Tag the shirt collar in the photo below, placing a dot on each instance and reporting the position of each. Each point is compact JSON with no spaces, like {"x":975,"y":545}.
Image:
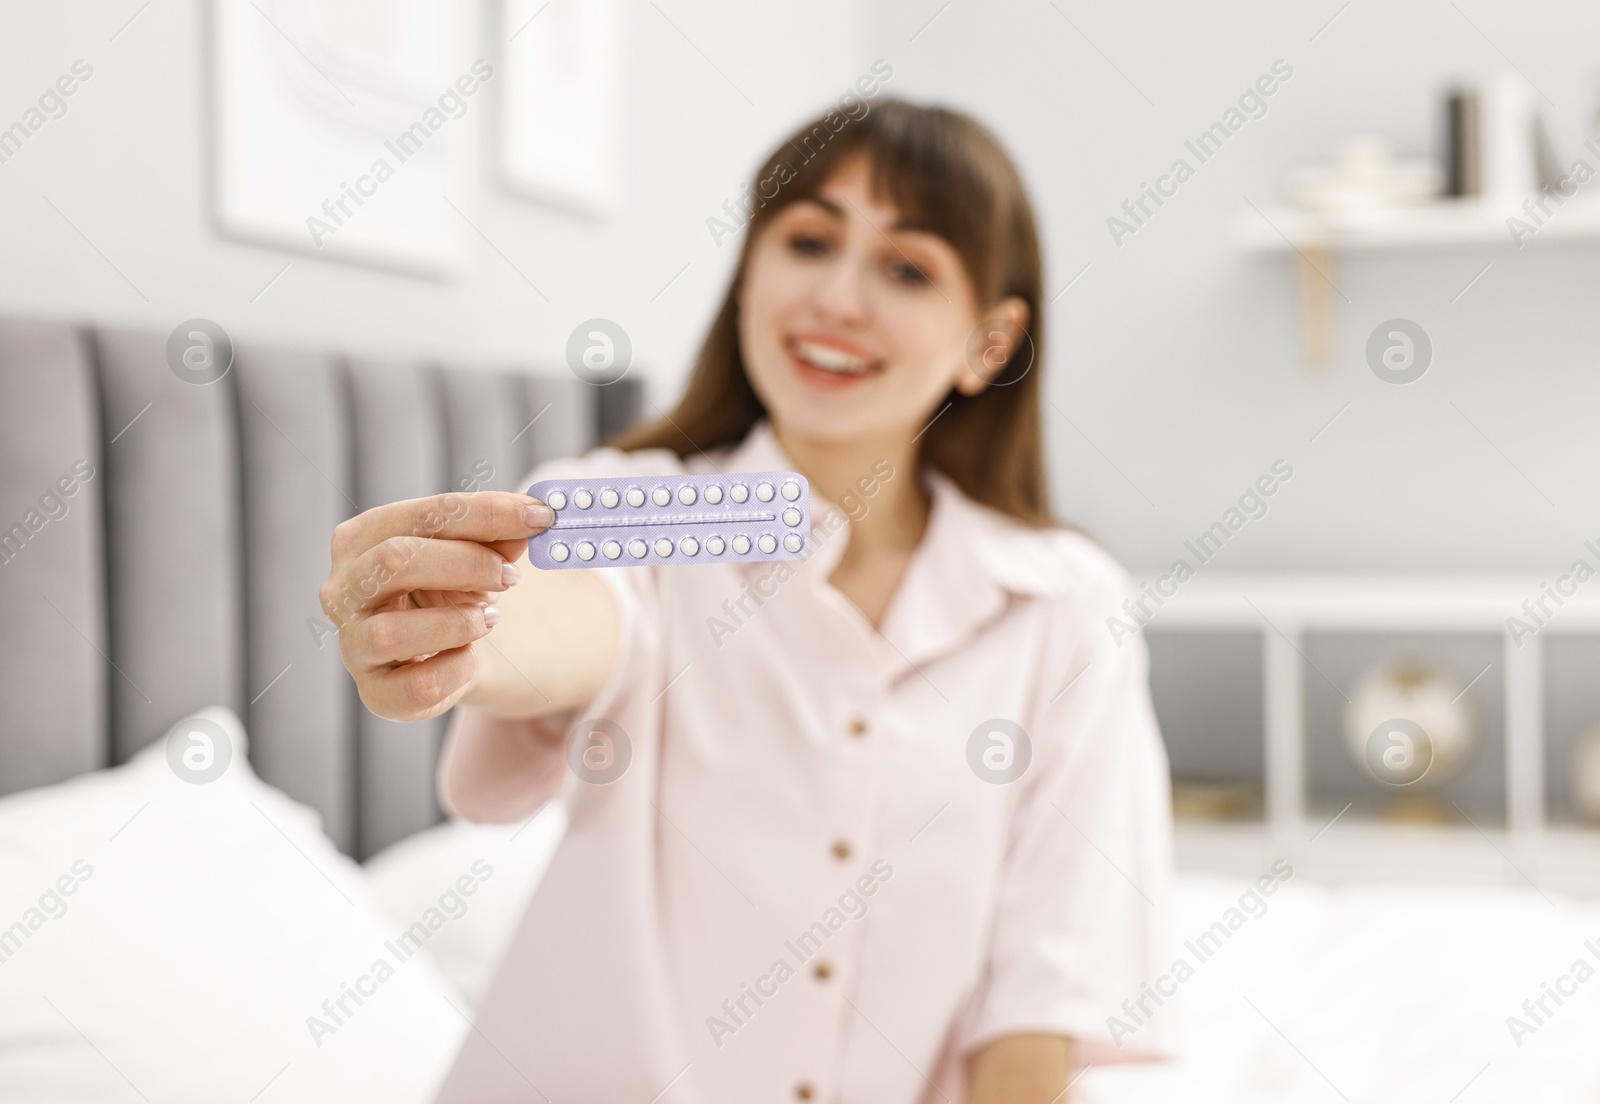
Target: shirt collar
{"x":970,"y":561}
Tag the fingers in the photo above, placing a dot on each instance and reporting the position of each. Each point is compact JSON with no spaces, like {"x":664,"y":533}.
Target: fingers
{"x":396,"y":567}
{"x":483,"y":516}
{"x":395,"y":636}
{"x":417,"y":691}
{"x":401,"y":564}
{"x":511,"y":550}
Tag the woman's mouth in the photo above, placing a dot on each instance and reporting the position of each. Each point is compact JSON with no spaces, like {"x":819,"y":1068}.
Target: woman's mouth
{"x":830,"y":364}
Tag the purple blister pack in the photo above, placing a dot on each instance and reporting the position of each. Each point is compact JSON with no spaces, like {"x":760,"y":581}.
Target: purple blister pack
{"x":643,"y":521}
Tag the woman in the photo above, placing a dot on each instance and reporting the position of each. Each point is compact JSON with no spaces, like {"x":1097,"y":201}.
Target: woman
{"x":889,"y":824}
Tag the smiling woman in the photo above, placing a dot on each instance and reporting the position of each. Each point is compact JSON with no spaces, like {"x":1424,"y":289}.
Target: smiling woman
{"x":946,"y":239}
{"x":881,"y":337}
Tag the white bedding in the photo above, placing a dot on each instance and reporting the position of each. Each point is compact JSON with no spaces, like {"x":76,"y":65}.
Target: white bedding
{"x":1375,"y":994}
{"x":212,"y":924}
{"x":207,"y":925}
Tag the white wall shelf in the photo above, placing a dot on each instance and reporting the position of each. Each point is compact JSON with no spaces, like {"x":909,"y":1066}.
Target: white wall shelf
{"x":1315,"y":241}
{"x":1284,"y":608}
{"x":1446,"y":223}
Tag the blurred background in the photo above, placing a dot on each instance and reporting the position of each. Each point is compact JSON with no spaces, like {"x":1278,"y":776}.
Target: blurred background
{"x":1177,"y":353}
{"x":1376,"y":270}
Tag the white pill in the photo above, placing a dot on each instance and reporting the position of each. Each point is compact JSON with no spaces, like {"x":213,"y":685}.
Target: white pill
{"x":661,"y":496}
{"x":791,"y":516}
{"x":637,"y":548}
{"x":556,"y":501}
{"x":664,"y":546}
{"x":582,"y":499}
{"x":713,"y":494}
{"x":689,"y":546}
{"x":715,"y":545}
{"x":611,"y":549}
{"x":741,"y":544}
{"x":608,"y":499}
{"x":764,"y":492}
{"x":766,"y":542}
{"x":559,"y":552}
{"x":635,"y":496}
{"x":585,"y":550}
{"x":791,"y":490}
{"x":791,"y":541}
{"x":739,"y":492}
{"x":686,"y":495}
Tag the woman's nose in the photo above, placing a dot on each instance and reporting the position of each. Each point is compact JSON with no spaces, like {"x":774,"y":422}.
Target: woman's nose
{"x":841,"y":292}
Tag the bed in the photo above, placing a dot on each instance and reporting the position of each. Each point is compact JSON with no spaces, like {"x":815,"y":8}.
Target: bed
{"x":182,"y":569}
{"x":304,"y":927}
{"x":201,"y":943}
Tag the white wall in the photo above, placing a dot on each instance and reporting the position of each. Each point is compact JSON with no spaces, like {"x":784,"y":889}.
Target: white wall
{"x":128,"y":163}
{"x":1179,"y":357}
{"x":1174,"y":354}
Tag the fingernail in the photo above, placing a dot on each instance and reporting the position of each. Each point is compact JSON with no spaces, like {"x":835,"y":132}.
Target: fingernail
{"x":509,"y":575}
{"x":491,"y":616}
{"x":538,"y":516}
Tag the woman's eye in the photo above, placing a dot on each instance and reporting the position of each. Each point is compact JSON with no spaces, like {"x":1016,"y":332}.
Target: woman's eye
{"x":807,"y":245}
{"x":907,"y":273}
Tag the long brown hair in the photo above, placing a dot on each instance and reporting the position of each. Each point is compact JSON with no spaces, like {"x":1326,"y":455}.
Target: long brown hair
{"x":950,"y":174}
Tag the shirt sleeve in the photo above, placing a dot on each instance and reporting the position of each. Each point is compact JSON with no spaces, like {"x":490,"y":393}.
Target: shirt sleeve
{"x":1081,"y":924}
{"x":499,"y":770}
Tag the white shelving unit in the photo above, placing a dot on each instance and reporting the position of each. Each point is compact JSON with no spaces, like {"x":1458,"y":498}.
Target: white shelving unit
{"x":1283,"y":608}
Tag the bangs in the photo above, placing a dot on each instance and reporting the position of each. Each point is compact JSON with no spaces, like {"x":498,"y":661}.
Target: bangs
{"x":946,"y":174}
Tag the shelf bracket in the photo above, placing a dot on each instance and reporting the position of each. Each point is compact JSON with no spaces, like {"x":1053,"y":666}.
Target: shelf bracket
{"x":1313,"y":264}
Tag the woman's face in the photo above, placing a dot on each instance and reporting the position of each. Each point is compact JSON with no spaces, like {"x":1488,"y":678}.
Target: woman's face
{"x":853,"y":323}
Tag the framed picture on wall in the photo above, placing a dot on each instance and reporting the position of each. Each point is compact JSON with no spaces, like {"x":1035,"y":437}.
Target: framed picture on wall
{"x":345,"y":128}
{"x":559,"y":132}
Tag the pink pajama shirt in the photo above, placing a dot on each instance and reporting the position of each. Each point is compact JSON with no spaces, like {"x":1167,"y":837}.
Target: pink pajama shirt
{"x":812,"y":860}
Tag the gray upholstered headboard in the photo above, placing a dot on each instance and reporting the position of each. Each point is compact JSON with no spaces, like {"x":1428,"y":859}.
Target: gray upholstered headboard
{"x":161,"y":545}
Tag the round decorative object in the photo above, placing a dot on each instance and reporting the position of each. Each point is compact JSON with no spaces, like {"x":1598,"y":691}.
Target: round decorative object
{"x":1408,"y":724}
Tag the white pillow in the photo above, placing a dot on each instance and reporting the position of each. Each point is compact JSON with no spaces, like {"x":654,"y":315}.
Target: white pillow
{"x":192,"y":941}
{"x":500,"y":864}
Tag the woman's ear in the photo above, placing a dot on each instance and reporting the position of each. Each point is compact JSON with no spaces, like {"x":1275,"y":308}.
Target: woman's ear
{"x":989,"y":348}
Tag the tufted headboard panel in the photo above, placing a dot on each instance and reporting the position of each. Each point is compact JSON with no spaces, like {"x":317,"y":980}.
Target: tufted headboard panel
{"x":161,"y":545}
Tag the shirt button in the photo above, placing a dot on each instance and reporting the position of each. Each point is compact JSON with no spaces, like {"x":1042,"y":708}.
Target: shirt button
{"x":858,"y":726}
{"x":841,"y":850}
{"x":823,"y":971}
{"x":804,"y":1090}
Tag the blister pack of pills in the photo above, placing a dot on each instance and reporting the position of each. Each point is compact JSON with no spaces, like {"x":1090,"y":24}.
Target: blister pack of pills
{"x":637,"y":521}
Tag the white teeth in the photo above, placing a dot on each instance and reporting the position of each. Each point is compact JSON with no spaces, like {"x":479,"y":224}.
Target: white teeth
{"x":830,"y":359}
